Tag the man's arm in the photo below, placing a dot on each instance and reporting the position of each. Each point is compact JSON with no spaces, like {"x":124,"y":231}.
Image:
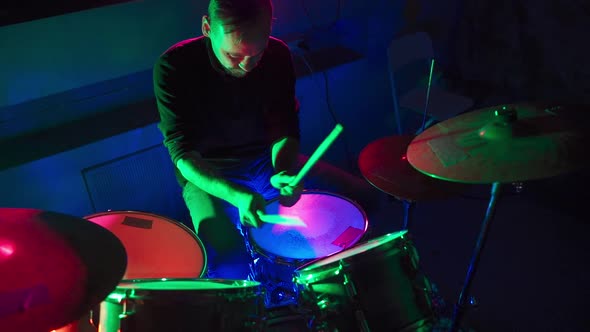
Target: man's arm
{"x":285,"y":149}
{"x":284,"y":161}
{"x":284,"y":155}
{"x":203,"y":175}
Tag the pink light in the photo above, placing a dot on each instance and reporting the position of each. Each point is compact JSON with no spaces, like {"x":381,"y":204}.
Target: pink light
{"x":6,"y":248}
{"x":404,"y":157}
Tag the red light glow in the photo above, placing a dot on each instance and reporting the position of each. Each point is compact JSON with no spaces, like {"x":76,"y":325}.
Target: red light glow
{"x":6,"y":249}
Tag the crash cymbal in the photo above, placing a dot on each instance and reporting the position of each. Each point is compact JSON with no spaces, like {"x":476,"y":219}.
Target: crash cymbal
{"x":53,"y":268}
{"x":504,"y":144}
{"x":384,"y":164}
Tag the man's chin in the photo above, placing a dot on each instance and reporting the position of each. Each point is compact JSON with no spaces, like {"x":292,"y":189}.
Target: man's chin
{"x":237,"y":73}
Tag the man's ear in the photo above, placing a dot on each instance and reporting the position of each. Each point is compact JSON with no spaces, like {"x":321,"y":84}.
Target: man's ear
{"x":205,"y":26}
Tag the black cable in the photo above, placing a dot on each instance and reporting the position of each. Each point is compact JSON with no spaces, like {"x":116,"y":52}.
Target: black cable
{"x":327,"y":99}
{"x":305,"y":48}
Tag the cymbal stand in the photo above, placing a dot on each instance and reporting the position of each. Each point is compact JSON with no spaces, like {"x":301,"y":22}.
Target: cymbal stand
{"x":408,"y":208}
{"x":481,"y":240}
{"x":409,"y":205}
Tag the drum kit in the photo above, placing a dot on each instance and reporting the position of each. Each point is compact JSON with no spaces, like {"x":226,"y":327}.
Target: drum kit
{"x":139,"y":272}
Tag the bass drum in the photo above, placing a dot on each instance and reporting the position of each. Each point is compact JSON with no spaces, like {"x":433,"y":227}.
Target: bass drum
{"x":181,"y":305}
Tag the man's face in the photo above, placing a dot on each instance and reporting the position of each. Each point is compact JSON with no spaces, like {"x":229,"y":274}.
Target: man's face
{"x":240,"y":50}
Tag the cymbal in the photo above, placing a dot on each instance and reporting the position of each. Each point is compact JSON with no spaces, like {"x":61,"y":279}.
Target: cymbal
{"x":53,"y":268}
{"x":383,"y":163}
{"x":510,"y":143}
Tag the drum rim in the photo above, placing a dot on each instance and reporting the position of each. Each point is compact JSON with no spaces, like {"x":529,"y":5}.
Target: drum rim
{"x":302,"y":274}
{"x":121,"y":292}
{"x":170,"y":220}
{"x":288,"y":260}
{"x":146,"y":280}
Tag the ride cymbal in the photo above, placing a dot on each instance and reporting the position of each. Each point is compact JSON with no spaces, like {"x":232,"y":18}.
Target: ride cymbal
{"x":503,"y":144}
{"x":384,"y":164}
{"x":53,"y":268}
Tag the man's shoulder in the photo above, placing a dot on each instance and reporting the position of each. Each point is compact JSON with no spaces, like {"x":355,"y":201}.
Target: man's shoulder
{"x":188,"y":49}
{"x":277,"y":45}
{"x":277,"y":52}
{"x":187,"y":45}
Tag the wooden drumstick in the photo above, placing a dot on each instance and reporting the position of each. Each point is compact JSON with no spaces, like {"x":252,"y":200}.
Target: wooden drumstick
{"x":317,"y":154}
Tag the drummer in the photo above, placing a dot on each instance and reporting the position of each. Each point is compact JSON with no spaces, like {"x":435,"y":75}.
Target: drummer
{"x":229,"y":117}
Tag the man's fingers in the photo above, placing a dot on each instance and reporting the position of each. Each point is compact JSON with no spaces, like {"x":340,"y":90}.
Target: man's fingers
{"x":252,"y":219}
{"x":281,"y":180}
{"x":287,"y":191}
{"x":288,"y":201}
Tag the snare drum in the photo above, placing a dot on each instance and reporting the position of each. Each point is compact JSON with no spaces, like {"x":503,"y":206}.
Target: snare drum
{"x":332,"y":223}
{"x":180,"y":305}
{"x":374,"y":286}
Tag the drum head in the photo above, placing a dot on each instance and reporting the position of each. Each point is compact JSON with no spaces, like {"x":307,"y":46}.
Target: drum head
{"x":157,"y":247}
{"x":356,"y":250}
{"x":332,"y":224}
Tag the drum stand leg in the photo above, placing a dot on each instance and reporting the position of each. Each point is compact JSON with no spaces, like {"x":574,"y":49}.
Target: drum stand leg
{"x":408,"y":208}
{"x":460,"y":306}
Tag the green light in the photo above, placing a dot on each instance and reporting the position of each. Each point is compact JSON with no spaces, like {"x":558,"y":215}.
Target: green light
{"x":116,"y":297}
{"x":496,"y":113}
{"x":323,"y":304}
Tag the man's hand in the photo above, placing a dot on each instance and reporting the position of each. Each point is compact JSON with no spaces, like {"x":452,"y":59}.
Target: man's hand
{"x":250,"y":205}
{"x":289,"y":194}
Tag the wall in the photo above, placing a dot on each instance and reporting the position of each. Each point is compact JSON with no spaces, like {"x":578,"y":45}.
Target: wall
{"x":60,"y":53}
{"x":530,"y":50}
{"x":56,"y":183}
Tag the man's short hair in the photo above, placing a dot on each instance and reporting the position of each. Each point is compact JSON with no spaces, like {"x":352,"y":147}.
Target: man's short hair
{"x":234,"y":14}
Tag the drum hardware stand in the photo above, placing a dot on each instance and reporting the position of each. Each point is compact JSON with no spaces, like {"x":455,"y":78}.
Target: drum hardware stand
{"x":352,"y":293}
{"x":408,"y":208}
{"x":318,"y":321}
{"x":518,"y":187}
{"x":408,"y":204}
{"x":481,"y":240}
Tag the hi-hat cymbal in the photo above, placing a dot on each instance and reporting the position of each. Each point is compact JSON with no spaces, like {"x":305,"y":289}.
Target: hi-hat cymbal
{"x":53,"y":268}
{"x":384,"y":164}
{"x":509,"y":143}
